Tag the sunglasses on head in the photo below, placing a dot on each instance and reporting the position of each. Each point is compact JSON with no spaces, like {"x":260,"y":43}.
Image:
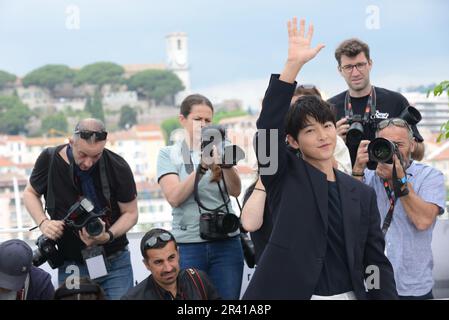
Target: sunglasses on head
{"x":397,"y":122}
{"x":87,"y":135}
{"x":151,"y":242}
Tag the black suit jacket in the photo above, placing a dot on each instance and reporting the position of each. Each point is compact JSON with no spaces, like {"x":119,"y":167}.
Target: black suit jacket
{"x":291,"y":264}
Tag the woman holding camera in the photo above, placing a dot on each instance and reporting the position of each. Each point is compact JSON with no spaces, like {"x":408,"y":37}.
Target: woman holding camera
{"x":178,"y":165}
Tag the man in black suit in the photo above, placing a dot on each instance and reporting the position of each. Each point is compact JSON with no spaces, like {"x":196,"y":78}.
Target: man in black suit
{"x":326,"y":241}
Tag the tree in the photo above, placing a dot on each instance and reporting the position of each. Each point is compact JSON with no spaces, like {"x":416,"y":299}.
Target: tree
{"x":56,"y":122}
{"x":128,"y":117}
{"x":227,"y":114}
{"x":95,"y":107}
{"x":156,"y":84}
{"x":100,"y":73}
{"x":6,"y":79}
{"x":168,"y":125}
{"x":49,"y":76}
{"x":438,"y":90}
{"x":13,"y":115}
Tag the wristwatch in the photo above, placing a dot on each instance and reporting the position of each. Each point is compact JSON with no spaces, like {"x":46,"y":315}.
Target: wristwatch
{"x":111,"y":236}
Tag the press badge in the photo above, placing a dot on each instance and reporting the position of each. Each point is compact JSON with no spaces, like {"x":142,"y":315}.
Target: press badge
{"x":94,"y":258}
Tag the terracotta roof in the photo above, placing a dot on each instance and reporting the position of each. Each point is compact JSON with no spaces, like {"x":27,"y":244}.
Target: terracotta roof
{"x":5,"y":162}
{"x":146,"y":127}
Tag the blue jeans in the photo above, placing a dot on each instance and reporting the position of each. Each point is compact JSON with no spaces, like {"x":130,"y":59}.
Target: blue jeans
{"x":222,"y":260}
{"x":118,"y":280}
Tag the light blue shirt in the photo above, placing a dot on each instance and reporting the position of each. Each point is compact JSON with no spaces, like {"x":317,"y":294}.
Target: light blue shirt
{"x":409,"y":249}
{"x":185,"y":225}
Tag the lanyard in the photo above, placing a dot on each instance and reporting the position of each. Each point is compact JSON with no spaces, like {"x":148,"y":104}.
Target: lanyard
{"x":370,"y":108}
{"x":389,"y":215}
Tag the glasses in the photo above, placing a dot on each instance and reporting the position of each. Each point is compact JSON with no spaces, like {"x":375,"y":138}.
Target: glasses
{"x":151,"y":242}
{"x":87,"y":135}
{"x":395,"y":121}
{"x":361,"y":66}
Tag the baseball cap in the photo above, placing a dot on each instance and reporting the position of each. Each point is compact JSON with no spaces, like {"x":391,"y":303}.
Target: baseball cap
{"x":15,"y":264}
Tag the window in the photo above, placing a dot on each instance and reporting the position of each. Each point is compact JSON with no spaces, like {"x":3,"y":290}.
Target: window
{"x":179,"y":44}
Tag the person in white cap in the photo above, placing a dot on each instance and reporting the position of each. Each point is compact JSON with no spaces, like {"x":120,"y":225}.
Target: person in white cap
{"x":19,"y":279}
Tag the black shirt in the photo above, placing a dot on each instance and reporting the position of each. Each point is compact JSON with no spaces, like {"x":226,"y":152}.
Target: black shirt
{"x":192,"y":284}
{"x":68,"y":191}
{"x":335,"y":276}
{"x":389,"y":104}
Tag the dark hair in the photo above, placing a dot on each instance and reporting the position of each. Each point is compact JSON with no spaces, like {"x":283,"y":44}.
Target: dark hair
{"x":307,"y":106}
{"x":304,"y":90}
{"x":191,"y":100}
{"x":88,"y":290}
{"x":156,"y":232}
{"x":351,"y":48}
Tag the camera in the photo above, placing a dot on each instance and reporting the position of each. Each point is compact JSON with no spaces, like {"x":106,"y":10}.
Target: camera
{"x":355,"y":132}
{"x":81,"y":214}
{"x":382,"y":150}
{"x":217,"y":225}
{"x":47,"y":250}
{"x":216,"y":136}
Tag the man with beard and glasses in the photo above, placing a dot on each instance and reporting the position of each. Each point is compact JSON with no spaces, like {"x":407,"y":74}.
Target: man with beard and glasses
{"x":167,"y":282}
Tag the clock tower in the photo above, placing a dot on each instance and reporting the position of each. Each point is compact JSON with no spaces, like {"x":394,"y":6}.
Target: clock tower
{"x":177,"y":60}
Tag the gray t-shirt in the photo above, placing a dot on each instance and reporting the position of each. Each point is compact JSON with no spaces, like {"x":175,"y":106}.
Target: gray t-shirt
{"x":185,"y":226}
{"x":409,"y":249}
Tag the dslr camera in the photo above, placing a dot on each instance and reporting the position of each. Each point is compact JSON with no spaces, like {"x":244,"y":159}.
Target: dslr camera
{"x":81,"y":214}
{"x":216,"y":136}
{"x":382,"y":150}
{"x":355,"y":132}
{"x":356,"y":123}
{"x":217,"y":225}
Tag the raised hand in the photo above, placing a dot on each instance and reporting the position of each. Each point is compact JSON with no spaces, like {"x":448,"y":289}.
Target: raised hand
{"x":299,"y":44}
{"x":299,"y":49}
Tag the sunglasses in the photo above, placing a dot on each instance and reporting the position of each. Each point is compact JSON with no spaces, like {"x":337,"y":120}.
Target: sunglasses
{"x":87,"y":135}
{"x":398,"y":122}
{"x":151,"y":242}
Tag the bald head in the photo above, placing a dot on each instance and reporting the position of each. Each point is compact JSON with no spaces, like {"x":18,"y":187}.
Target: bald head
{"x":87,"y":127}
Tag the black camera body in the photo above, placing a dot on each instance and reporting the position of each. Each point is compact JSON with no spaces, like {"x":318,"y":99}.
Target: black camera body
{"x":81,"y":214}
{"x":356,"y":131}
{"x":216,"y":136}
{"x":217,"y":225}
{"x":47,"y":250}
{"x":382,"y":150}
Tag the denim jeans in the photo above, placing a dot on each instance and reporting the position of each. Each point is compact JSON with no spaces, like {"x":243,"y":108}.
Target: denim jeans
{"x":222,"y":260}
{"x":427,"y":296}
{"x":118,"y":280}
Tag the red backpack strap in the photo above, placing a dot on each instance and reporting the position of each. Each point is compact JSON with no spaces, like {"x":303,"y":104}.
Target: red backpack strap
{"x":196,"y":279}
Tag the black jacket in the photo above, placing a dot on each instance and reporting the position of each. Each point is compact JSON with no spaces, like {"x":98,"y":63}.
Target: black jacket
{"x":192,"y":285}
{"x":291,"y":264}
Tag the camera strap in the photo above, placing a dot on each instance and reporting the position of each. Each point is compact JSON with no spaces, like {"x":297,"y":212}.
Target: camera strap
{"x":370,"y":109}
{"x":400,"y":190}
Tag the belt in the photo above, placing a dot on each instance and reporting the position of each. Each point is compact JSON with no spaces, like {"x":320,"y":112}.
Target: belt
{"x":117,"y":253}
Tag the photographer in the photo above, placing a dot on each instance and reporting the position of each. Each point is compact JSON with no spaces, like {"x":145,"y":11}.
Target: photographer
{"x":326,"y":231}
{"x":363,"y":101}
{"x":409,"y":201}
{"x":178,"y":166}
{"x":85,"y":168}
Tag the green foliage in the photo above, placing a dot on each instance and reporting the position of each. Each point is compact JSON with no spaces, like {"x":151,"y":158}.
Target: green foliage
{"x":13,"y":115}
{"x":128,"y":117}
{"x":438,"y":90}
{"x":155,"y":84}
{"x":100,"y":73}
{"x":227,"y":114}
{"x":168,"y":125}
{"x":6,"y":78}
{"x":94,"y":106}
{"x":57,"y":122}
{"x":49,"y":76}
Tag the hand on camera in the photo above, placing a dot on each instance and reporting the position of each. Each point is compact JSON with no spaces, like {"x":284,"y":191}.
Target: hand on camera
{"x":52,"y":229}
{"x":342,"y":128}
{"x":361,"y":158}
{"x":89,"y":240}
{"x":385,"y":170}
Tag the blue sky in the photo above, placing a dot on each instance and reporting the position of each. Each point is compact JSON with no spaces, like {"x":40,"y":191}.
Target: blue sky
{"x":233,"y":45}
